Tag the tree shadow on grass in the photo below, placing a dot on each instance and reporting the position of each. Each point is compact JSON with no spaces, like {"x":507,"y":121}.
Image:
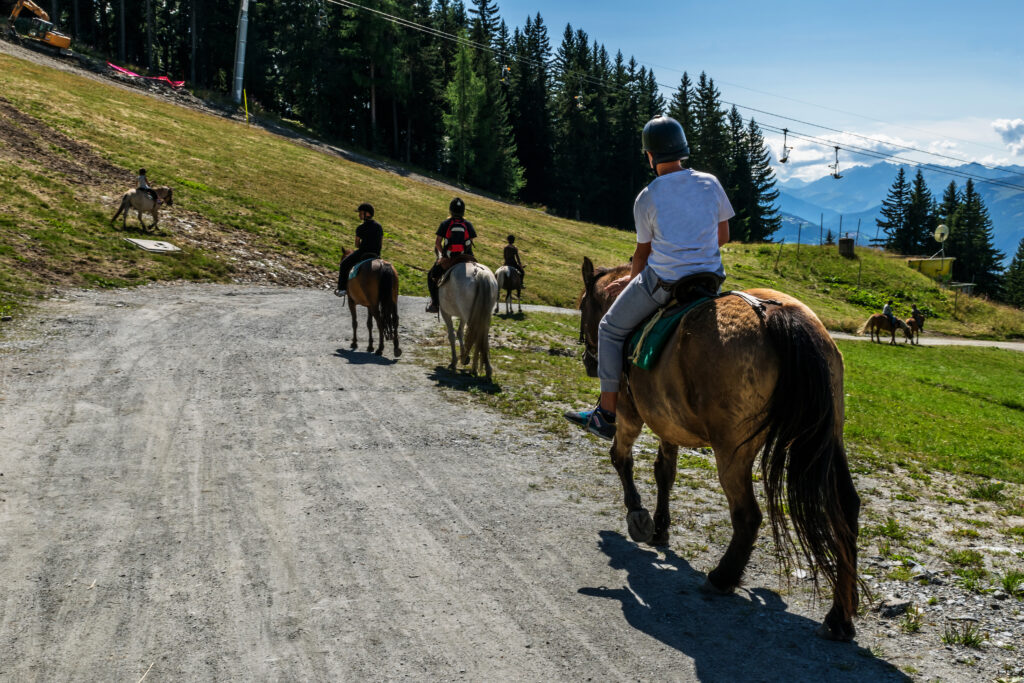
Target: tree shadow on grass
{"x":463,"y":380}
{"x":356,"y":357}
{"x":748,"y":636}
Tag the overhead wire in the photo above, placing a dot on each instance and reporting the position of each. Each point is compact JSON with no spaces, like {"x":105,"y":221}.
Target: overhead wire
{"x":586,"y":78}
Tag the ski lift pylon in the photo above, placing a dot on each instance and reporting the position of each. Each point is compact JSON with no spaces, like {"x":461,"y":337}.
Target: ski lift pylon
{"x":785,"y":150}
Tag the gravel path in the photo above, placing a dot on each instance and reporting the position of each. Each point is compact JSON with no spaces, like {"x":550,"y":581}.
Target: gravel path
{"x":203,"y":483}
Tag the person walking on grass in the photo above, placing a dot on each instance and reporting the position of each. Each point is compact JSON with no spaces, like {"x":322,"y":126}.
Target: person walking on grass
{"x":369,"y":241}
{"x":682,"y":218}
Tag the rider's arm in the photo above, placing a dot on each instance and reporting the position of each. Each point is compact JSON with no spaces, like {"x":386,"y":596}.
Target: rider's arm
{"x":438,"y":243}
{"x":723,"y":233}
{"x":640,"y":254}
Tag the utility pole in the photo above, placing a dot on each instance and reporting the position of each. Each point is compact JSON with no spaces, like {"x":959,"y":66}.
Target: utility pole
{"x":243,"y":29}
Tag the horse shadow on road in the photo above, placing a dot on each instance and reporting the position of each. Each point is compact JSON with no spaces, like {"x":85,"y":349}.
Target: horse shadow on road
{"x":729,"y":638}
{"x":463,"y":380}
{"x":356,"y":357}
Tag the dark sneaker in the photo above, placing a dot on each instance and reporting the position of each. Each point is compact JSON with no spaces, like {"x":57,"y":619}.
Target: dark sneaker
{"x":339,"y":292}
{"x":597,"y":421}
{"x":432,"y":308}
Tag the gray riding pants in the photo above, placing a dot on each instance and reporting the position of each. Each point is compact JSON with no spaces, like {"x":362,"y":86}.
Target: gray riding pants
{"x":641,"y":297}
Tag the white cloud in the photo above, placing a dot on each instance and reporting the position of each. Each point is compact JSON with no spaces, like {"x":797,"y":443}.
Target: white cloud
{"x":1011,"y":131}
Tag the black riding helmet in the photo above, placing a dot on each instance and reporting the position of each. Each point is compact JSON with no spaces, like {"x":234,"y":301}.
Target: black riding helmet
{"x":142,"y":171}
{"x":457,"y":208}
{"x":368,"y":208}
{"x":664,"y":138}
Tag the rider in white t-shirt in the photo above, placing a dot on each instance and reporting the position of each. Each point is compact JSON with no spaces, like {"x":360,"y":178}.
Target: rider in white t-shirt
{"x":682,"y":218}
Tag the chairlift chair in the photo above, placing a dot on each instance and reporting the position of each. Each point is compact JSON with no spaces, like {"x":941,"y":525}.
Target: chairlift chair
{"x":835,"y":166}
{"x":785,"y":150}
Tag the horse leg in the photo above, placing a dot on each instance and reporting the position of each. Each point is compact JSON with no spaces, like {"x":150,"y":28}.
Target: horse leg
{"x":463,"y":351}
{"x":627,"y":428}
{"x":519,"y":299}
{"x":839,"y":620}
{"x":380,"y":331}
{"x":451,"y":337}
{"x":355,"y":323}
{"x":369,"y":329}
{"x":734,"y":473}
{"x":665,"y":475}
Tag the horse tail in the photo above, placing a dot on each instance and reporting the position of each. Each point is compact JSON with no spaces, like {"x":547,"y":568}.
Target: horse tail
{"x":803,"y":461}
{"x":122,"y":207}
{"x":479,"y":323}
{"x":386,"y":298}
{"x":865,"y":326}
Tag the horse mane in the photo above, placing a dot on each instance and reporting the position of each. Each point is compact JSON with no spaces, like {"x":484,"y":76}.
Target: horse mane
{"x":600,"y":273}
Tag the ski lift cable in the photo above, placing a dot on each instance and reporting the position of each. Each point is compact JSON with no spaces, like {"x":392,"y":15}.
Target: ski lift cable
{"x":892,"y":157}
{"x":596,"y":81}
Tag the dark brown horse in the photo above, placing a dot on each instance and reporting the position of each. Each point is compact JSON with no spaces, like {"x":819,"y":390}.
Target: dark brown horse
{"x":745,"y":385}
{"x":375,"y":286}
{"x":879,"y":322}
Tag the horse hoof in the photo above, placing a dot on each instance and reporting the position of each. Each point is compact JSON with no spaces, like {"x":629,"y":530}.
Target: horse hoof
{"x":398,"y":352}
{"x":843,"y":634}
{"x":659,"y":539}
{"x":379,"y":352}
{"x":640,"y":525}
{"x":711,"y":589}
{"x":353,"y":346}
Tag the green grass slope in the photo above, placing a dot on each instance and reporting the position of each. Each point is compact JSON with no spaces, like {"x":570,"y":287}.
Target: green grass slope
{"x":69,"y":145}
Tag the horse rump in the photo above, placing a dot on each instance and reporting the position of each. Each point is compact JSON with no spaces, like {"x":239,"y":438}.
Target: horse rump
{"x":803,"y":461}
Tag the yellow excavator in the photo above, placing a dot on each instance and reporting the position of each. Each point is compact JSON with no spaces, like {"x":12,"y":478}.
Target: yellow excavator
{"x":36,"y":28}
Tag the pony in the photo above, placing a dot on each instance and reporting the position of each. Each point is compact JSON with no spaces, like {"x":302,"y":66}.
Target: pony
{"x":375,"y":286}
{"x":744,"y":382}
{"x":915,"y":330}
{"x":879,"y":322}
{"x":467,"y":292}
{"x":508,"y":279}
{"x":142,"y":202}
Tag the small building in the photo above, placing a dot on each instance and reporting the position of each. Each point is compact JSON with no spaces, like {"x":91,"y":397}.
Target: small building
{"x":935,"y":268}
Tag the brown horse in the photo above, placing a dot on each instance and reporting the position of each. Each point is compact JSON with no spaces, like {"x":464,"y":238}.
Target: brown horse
{"x":915,"y":330}
{"x":141,"y":201}
{"x":375,"y":286}
{"x":880,"y":323}
{"x":745,"y":384}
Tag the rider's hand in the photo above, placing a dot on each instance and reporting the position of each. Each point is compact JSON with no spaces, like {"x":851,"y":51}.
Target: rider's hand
{"x":616,"y":286}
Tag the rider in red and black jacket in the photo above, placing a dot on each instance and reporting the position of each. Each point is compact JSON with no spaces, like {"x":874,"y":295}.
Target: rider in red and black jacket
{"x":454,"y":238}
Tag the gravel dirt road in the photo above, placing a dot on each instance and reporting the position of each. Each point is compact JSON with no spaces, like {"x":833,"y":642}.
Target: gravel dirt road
{"x":203,"y":483}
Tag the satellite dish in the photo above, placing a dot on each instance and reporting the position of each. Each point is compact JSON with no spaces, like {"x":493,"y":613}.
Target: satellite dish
{"x":941,"y":233}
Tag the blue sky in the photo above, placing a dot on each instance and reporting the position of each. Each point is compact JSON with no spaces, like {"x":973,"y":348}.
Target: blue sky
{"x":939,"y":75}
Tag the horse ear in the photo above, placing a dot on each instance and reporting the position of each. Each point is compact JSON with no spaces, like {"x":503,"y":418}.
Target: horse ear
{"x":588,"y":271}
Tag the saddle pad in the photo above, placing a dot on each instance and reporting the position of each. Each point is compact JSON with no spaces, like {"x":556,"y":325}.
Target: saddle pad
{"x":355,"y":269}
{"x":646,"y":342}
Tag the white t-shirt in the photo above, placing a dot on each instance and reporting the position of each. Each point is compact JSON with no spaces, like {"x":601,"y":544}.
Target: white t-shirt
{"x":679,"y":213}
{"x":143,"y":185}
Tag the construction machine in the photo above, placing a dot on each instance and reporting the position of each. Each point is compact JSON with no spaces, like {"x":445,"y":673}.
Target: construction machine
{"x":36,"y":28}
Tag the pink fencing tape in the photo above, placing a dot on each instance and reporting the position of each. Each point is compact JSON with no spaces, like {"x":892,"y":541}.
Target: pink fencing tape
{"x":165,"y":79}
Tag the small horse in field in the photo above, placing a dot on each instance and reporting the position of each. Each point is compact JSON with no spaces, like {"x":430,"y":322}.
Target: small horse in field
{"x":142,"y":202}
{"x":880,"y":323}
{"x":745,"y":382}
{"x":508,"y":279}
{"x":375,"y":286}
{"x":467,"y":292}
{"x":915,"y":331}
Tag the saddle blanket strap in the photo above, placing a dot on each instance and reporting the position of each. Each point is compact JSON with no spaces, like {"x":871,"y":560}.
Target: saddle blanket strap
{"x":760,"y":306}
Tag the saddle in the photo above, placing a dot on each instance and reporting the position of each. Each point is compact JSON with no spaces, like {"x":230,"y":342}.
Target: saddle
{"x":449,"y":262}
{"x":689,"y":293}
{"x":355,"y":269}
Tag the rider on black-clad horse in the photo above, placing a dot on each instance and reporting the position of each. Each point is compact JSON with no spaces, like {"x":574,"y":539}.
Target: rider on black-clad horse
{"x":454,"y":240}
{"x":369,"y":240}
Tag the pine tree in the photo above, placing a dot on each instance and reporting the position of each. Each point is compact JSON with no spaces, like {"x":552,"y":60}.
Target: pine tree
{"x":894,"y":215}
{"x":709,"y":151}
{"x":919,"y":221}
{"x":464,"y":96}
{"x":1015,"y":278}
{"x":529,"y":108}
{"x":681,"y":106}
{"x":764,"y":218}
{"x":977,"y":259}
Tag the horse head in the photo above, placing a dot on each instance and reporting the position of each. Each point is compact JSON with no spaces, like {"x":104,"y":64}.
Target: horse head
{"x":593,"y":304}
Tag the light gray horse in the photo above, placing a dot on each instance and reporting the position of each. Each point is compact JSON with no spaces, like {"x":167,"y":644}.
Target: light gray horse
{"x":141,"y":201}
{"x":468,"y":293}
{"x":508,"y":280}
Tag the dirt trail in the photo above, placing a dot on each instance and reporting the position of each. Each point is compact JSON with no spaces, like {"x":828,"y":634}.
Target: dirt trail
{"x":202,"y":479}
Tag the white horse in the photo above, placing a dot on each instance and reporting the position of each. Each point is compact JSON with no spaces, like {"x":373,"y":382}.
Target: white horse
{"x":141,"y":201}
{"x":508,"y":280}
{"x":468,"y":292}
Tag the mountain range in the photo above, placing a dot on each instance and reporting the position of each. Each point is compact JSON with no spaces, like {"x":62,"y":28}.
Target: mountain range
{"x":858,"y":195}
